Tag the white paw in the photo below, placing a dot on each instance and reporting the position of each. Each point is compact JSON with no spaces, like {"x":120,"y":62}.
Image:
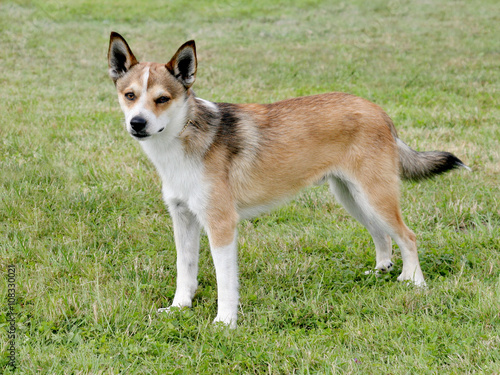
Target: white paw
{"x":227,"y":320}
{"x":416,"y":277}
{"x":384,"y":266}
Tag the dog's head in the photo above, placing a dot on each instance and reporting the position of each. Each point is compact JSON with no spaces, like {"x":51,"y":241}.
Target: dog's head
{"x":153,"y":96}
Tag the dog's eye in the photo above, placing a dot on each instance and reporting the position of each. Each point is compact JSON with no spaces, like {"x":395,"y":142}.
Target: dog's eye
{"x":162,"y":99}
{"x":130,"y":95}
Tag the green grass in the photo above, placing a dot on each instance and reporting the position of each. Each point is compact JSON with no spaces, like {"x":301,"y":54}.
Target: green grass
{"x":82,"y":218}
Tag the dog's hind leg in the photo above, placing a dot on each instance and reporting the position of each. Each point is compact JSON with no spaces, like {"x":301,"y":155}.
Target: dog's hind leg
{"x":375,"y":202}
{"x":187,"y":242}
{"x":383,"y":243}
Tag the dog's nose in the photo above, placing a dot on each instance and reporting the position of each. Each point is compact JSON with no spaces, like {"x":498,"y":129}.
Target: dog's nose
{"x":138,"y":123}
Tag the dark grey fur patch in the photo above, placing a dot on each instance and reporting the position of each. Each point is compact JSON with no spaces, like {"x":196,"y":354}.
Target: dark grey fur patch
{"x":215,"y":128}
{"x":227,"y":129}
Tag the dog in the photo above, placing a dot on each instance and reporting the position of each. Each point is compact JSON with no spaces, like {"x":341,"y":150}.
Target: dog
{"x":221,"y":162}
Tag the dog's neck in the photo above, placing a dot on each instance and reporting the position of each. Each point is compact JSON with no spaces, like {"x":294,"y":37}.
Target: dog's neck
{"x":189,"y":122}
{"x":203,"y":119}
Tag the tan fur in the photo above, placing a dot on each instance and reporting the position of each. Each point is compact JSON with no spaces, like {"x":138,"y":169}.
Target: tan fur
{"x":222,"y":217}
{"x":159,"y":84}
{"x":302,"y":140}
{"x":306,"y":138}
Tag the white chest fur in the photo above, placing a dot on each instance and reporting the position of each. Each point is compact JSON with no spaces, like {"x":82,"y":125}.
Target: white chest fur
{"x":182,"y":176}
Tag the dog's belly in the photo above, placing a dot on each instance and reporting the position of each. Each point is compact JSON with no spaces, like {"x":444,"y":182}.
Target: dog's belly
{"x":253,"y":211}
{"x":250,"y":211}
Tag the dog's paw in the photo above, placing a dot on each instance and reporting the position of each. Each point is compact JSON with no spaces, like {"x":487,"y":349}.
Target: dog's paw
{"x":228,"y":321}
{"x":416,"y":278}
{"x":384,"y":266}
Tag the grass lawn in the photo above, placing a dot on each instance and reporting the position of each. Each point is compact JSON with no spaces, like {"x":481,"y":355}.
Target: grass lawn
{"x":82,"y":219}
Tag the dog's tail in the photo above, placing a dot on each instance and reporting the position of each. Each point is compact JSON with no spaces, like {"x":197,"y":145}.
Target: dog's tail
{"x":415,"y":165}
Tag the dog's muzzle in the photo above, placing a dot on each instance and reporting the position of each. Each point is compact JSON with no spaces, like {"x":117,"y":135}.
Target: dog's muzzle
{"x":138,"y":126}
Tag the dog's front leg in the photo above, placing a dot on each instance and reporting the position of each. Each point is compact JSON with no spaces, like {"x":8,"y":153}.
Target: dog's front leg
{"x":223,"y":245}
{"x":187,"y":242}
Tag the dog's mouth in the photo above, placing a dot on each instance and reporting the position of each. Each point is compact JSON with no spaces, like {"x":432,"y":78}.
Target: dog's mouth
{"x":143,"y":135}
{"x":140,"y":135}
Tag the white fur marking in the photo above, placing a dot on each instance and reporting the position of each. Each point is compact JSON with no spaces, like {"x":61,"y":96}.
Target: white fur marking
{"x":139,"y":107}
{"x":226,"y":269}
{"x":187,"y":242}
{"x":208,"y":104}
{"x":181,"y":175}
{"x":145,"y":81}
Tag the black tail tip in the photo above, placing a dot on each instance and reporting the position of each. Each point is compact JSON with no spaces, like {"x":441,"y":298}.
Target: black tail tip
{"x":448,"y":162}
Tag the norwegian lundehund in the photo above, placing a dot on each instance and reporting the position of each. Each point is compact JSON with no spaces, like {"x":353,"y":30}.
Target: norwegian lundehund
{"x":221,"y":162}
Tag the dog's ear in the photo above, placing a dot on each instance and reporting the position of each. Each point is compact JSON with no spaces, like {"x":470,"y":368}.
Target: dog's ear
{"x":120,"y":57}
{"x":184,"y":64}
